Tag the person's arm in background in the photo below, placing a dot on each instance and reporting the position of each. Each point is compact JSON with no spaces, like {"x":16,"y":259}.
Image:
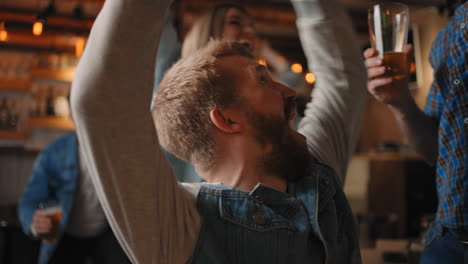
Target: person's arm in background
{"x":169,"y":52}
{"x":420,"y":130}
{"x":153,"y":217}
{"x":332,"y":120}
{"x":34,"y":221}
{"x":280,"y":66}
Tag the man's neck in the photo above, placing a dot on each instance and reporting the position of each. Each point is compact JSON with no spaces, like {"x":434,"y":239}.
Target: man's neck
{"x":242,"y":172}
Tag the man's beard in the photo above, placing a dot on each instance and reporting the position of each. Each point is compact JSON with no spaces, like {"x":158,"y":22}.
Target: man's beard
{"x":288,"y":158}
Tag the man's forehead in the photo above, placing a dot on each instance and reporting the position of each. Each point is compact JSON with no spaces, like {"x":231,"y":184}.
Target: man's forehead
{"x":242,"y":63}
{"x":238,"y":58}
{"x":237,"y":63}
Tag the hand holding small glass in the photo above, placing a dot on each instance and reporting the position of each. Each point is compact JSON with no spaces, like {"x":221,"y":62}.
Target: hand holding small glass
{"x":46,"y":223}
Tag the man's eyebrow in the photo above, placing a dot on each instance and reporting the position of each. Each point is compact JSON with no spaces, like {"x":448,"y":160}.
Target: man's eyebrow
{"x":260,"y":69}
{"x":257,"y":70}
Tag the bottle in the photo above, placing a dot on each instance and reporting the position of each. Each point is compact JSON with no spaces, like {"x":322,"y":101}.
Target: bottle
{"x":4,"y":113}
{"x":34,"y":101}
{"x":13,"y":115}
{"x":41,"y":101}
{"x":50,"y":102}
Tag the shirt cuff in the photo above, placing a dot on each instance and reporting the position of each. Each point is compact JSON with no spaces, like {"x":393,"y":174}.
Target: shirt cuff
{"x":33,"y":231}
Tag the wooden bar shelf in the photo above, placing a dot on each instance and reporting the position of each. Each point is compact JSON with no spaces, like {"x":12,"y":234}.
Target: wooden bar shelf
{"x":51,"y":123}
{"x":54,"y":75}
{"x":12,"y":135}
{"x":14,"y":85}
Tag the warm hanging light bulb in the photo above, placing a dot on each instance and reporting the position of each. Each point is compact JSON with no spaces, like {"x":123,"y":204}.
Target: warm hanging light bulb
{"x":37,"y":28}
{"x":262,"y":62}
{"x":79,"y":46}
{"x":296,"y":68}
{"x":3,"y":35}
{"x":42,"y":17}
{"x":310,"y":78}
{"x":3,"y":32}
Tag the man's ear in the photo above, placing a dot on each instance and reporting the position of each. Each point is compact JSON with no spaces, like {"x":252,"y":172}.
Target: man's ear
{"x":225,"y":120}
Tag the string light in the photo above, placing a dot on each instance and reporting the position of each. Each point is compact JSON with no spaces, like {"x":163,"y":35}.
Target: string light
{"x":79,"y":46}
{"x":42,"y":17}
{"x":3,"y":32}
{"x":37,"y":28}
{"x":296,"y":68}
{"x":310,"y":78}
{"x":262,"y":62}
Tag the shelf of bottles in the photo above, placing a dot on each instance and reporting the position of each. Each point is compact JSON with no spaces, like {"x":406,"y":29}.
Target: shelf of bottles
{"x":34,"y":88}
{"x":49,"y":107}
{"x":11,"y":121}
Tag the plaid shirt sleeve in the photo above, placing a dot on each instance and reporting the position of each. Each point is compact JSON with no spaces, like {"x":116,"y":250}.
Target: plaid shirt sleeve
{"x":435,"y":98}
{"x":447,"y":103}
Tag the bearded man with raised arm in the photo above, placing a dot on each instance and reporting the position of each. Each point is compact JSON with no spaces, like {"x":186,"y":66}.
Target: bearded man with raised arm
{"x":272,"y":195}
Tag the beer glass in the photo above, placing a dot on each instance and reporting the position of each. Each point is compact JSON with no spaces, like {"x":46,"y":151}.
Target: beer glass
{"x":388,"y":28}
{"x":53,"y":211}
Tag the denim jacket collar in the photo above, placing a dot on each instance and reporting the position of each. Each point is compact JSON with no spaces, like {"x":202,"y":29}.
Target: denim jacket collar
{"x":280,"y":202}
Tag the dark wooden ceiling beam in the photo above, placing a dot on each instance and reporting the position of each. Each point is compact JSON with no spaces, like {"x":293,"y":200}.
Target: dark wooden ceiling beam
{"x":57,"y":21}
{"x":45,"y":42}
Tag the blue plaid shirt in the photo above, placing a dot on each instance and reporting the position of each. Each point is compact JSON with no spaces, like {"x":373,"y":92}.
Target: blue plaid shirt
{"x":447,"y":103}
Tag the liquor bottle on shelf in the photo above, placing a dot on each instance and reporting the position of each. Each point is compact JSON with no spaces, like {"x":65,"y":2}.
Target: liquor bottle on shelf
{"x":4,"y":112}
{"x":34,"y":100}
{"x":50,"y":102}
{"x":13,"y":115}
{"x":41,"y":100}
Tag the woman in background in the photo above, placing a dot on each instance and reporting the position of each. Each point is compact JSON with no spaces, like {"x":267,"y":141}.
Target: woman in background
{"x":232,"y":23}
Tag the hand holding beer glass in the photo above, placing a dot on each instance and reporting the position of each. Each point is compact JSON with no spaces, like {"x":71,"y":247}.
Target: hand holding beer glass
{"x":46,"y":221}
{"x":388,"y":61}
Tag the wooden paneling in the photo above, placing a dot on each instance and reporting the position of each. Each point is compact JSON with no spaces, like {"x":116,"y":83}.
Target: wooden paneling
{"x":387,"y":196}
{"x":379,"y":125}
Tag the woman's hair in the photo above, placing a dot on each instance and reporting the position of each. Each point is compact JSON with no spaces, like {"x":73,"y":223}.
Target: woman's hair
{"x":208,"y":26}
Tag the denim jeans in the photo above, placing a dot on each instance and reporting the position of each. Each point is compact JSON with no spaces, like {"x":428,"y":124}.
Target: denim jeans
{"x":446,"y":248}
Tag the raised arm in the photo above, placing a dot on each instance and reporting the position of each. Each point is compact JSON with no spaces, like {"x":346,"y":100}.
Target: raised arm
{"x":333,"y":118}
{"x":420,"y":130}
{"x":154,"y":219}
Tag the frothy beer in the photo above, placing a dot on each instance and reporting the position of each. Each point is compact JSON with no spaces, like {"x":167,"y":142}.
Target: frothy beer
{"x":54,"y":214}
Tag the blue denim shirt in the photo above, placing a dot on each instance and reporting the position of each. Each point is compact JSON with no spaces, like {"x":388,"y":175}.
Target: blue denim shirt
{"x":54,"y":177}
{"x":312,"y":223}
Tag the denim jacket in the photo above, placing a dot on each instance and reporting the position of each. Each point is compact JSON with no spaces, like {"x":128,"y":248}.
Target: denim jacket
{"x":54,"y":177}
{"x":313,"y":222}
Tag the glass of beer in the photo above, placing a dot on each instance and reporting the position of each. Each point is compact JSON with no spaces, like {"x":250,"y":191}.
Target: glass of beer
{"x":388,"y":27}
{"x":53,"y":211}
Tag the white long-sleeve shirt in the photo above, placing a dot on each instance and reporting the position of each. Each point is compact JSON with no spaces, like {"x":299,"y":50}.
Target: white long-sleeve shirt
{"x":154,"y":217}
